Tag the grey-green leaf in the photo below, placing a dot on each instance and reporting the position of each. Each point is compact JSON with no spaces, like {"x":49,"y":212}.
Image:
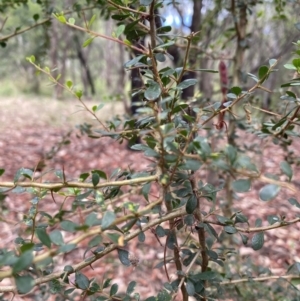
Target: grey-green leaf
{"x":153,"y":92}
{"x":190,"y":288}
{"x":56,"y":237}
{"x":145,"y":2}
{"x":23,"y":262}
{"x":191,"y":204}
{"x":130,"y":288}
{"x":269,"y":192}
{"x":82,"y":281}
{"x":241,"y":185}
{"x":294,"y":202}
{"x":123,"y":256}
{"x":286,"y":169}
{"x":114,"y":289}
{"x":108,"y":218}
{"x":230,"y":229}
{"x":24,"y":284}
{"x":257,"y":241}
{"x":68,"y":226}
{"x":43,"y":237}
{"x":187,"y":83}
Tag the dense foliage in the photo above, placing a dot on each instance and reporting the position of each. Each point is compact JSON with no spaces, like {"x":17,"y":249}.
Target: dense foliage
{"x":201,"y":164}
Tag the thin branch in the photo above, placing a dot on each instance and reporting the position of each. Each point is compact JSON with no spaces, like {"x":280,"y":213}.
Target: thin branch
{"x":17,"y":32}
{"x":280,"y":224}
{"x":96,"y":34}
{"x":263,"y":278}
{"x":54,"y":186}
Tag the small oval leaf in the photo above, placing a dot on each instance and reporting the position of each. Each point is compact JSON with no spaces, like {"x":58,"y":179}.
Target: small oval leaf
{"x":123,"y":256}
{"x":257,"y":241}
{"x":187,"y":83}
{"x":286,"y":169}
{"x":269,"y":192}
{"x":153,"y":92}
{"x":108,"y":218}
{"x":242,"y":185}
{"x":191,"y":204}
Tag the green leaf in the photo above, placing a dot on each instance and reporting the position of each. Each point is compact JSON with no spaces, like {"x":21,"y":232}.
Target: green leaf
{"x":208,"y":275}
{"x":164,"y":296}
{"x":93,"y":18}
{"x":296,"y":63}
{"x":191,"y":204}
{"x":269,"y":192}
{"x":97,"y":108}
{"x":69,"y":84}
{"x":120,"y":17}
{"x":81,"y":281}
{"x":2,"y":171}
{"x":190,"y":164}
{"x":263,"y":71}
{"x":141,"y":237}
{"x":123,"y":256}
{"x":187,"y":83}
{"x":108,"y":218}
{"x":257,"y":241}
{"x":145,"y":190}
{"x":171,"y":240}
{"x":88,"y":42}
{"x":120,"y":30}
{"x":272,"y":219}
{"x":130,"y":288}
{"x":84,"y":176}
{"x":160,"y":231}
{"x":165,"y":29}
{"x":244,"y":239}
{"x":23,"y":262}
{"x":294,"y":202}
{"x":27,"y":173}
{"x":95,"y":179}
{"x":190,"y":288}
{"x":24,"y":283}
{"x":67,"y":248}
{"x":242,"y":185}
{"x":68,"y":226}
{"x":43,"y":237}
{"x":146,"y":2}
{"x":241,"y":218}
{"x":236,"y":90}
{"x":291,"y":94}
{"x":31,"y":59}
{"x":36,"y":17}
{"x":78,"y":93}
{"x":91,"y":219}
{"x":71,"y":21}
{"x":153,"y":92}
{"x":286,"y":169}
{"x":290,"y":67}
{"x":62,"y":19}
{"x":207,"y":70}
{"x":114,"y":289}
{"x":230,"y":229}
{"x":101,"y":173}
{"x":56,"y":237}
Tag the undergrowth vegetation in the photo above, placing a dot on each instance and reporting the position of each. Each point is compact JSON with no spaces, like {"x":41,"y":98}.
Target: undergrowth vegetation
{"x":202,"y":164}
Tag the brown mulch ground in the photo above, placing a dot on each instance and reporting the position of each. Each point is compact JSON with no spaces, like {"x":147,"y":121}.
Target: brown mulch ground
{"x":26,"y":145}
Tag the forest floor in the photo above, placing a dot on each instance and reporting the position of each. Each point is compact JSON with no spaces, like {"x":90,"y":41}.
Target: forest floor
{"x":32,"y":130}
